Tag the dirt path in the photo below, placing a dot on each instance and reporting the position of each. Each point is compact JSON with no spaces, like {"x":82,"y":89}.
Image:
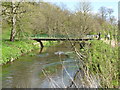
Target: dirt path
{"x":112,"y":42}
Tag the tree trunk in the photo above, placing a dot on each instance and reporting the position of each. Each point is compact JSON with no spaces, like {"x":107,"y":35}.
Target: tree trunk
{"x":13,"y":29}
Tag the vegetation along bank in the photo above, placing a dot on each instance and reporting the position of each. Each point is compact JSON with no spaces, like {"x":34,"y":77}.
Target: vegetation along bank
{"x":102,"y":61}
{"x":13,"y":50}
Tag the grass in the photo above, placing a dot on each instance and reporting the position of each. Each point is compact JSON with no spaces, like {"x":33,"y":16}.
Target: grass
{"x":102,"y":61}
{"x":50,"y":43}
{"x":12,"y":50}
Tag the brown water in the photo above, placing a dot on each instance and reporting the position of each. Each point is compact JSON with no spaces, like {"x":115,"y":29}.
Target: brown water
{"x":55,"y":66}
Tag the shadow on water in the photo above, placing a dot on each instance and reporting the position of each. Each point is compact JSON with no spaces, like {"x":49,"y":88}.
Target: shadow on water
{"x":27,"y":71}
{"x":41,"y":49}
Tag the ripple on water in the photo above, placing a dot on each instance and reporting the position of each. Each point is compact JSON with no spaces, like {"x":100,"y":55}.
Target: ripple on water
{"x":59,"y":53}
{"x":9,"y":77}
{"x":43,"y":55}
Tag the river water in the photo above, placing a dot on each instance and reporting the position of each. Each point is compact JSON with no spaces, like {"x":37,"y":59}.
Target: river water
{"x":54,"y":67}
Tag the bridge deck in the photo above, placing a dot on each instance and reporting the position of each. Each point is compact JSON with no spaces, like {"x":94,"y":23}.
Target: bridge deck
{"x":59,"y":39}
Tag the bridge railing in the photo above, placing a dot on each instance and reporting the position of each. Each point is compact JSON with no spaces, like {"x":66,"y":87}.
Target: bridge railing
{"x":45,"y":36}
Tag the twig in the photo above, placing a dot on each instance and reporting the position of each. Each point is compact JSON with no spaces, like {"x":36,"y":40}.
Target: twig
{"x":50,"y":79}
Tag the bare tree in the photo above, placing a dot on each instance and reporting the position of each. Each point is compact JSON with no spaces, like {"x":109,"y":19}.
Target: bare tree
{"x":84,"y":6}
{"x":84,"y":17}
{"x":103,"y":12}
{"x":111,"y":18}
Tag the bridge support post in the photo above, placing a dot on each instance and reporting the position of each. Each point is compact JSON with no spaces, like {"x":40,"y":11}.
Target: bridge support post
{"x":41,"y":44}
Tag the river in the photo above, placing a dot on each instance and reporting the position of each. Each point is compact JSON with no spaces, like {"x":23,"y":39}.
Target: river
{"x":54,"y":67}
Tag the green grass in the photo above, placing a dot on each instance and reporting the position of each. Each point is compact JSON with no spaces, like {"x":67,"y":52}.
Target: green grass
{"x":50,"y":43}
{"x":102,"y":61}
{"x":12,"y":50}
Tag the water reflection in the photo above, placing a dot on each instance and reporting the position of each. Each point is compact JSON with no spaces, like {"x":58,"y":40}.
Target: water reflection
{"x":41,"y":49}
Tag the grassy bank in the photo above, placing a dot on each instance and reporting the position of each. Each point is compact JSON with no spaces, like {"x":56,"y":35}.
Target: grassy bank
{"x":13,"y":50}
{"x":102,"y":61}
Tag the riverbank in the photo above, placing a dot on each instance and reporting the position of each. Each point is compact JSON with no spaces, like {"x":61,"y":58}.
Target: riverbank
{"x":38,"y":67}
{"x":13,"y":50}
{"x":102,"y":61}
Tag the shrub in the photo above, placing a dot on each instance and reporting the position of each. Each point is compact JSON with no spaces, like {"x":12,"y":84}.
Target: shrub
{"x":102,"y":61}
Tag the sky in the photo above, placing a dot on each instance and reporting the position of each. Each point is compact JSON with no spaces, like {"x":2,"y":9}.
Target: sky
{"x":96,"y":4}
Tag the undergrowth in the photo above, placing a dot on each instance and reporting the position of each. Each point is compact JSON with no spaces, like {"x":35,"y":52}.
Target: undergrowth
{"x":102,"y":61}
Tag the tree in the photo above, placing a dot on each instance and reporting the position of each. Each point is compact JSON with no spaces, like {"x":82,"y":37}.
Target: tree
{"x":33,"y":20}
{"x":110,"y":11}
{"x":111,"y":18}
{"x":10,"y":12}
{"x":103,"y":12}
{"x":84,"y":6}
{"x":86,"y":21}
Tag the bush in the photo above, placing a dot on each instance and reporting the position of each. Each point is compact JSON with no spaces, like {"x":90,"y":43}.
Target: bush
{"x":102,"y":61}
